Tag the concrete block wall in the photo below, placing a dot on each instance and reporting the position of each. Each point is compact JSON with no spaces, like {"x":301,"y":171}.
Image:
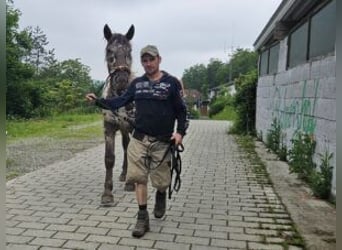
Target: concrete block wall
{"x":302,"y":99}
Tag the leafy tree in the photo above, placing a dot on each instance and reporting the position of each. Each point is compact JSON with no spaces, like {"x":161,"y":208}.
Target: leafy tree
{"x":195,"y":77}
{"x":204,"y":90}
{"x":216,"y":73}
{"x":75,"y":71}
{"x":67,"y":96}
{"x":64,"y":85}
{"x":223,"y":74}
{"x":17,"y":47}
{"x":212,"y":73}
{"x":96,"y":87}
{"x":39,"y":56}
{"x":242,"y":62}
{"x":37,"y":84}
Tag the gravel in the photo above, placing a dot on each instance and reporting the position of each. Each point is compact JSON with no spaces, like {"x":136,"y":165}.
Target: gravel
{"x":27,"y":155}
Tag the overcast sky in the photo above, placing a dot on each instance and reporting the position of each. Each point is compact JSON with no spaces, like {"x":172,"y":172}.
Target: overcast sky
{"x":187,"y":32}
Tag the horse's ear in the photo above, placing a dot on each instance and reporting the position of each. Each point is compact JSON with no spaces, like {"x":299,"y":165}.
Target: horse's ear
{"x":130,"y":32}
{"x":107,"y":32}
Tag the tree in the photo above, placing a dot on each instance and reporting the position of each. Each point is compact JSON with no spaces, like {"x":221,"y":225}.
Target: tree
{"x":37,"y":84}
{"x":195,"y":77}
{"x":223,"y":73}
{"x":39,"y":56}
{"x":65,"y":84}
{"x":243,"y":61}
{"x":216,"y":73}
{"x":17,"y":47}
{"x":213,"y":69}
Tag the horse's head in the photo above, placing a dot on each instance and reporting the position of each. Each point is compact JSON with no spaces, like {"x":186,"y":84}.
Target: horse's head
{"x":118,"y":57}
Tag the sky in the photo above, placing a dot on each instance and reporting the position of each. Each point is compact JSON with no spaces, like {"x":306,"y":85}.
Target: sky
{"x":186,"y":32}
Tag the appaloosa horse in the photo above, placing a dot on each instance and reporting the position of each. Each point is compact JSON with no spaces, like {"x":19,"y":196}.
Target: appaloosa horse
{"x":119,"y":61}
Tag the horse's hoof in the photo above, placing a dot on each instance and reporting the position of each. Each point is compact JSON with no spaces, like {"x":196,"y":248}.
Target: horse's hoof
{"x":122,"y":177}
{"x":129,"y":187}
{"x":107,"y":200}
{"x":111,"y":204}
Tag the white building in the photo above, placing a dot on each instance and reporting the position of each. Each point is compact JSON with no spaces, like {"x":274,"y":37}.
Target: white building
{"x":297,"y":74}
{"x":229,"y":88}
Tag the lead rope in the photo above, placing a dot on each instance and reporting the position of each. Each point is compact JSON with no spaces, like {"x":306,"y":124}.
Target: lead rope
{"x":176,"y":168}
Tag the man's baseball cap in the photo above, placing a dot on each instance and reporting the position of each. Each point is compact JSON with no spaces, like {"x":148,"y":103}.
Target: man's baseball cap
{"x":149,"y":49}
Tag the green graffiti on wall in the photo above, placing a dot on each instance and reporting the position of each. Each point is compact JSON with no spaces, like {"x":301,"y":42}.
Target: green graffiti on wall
{"x":297,"y":113}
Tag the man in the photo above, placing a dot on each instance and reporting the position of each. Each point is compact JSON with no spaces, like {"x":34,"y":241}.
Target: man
{"x":158,"y":101}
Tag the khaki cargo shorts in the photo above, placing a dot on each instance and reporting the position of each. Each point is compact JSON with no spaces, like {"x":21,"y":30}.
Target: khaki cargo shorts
{"x":145,"y":159}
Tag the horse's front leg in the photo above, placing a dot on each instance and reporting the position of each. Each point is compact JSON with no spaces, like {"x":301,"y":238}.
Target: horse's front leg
{"x":125,"y":141}
{"x":109,"y":133}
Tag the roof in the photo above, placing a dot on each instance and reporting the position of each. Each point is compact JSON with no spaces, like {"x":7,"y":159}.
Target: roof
{"x":194,"y":93}
{"x":286,"y":16}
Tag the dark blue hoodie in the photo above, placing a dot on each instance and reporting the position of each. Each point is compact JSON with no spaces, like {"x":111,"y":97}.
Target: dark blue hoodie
{"x":158,"y":105}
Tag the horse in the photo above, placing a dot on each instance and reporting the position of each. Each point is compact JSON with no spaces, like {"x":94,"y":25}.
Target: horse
{"x":119,"y":61}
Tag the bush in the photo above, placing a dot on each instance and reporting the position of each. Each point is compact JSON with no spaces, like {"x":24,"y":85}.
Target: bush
{"x":320,"y":181}
{"x":244,"y":102}
{"x":227,"y":114}
{"x":301,"y":156}
{"x":193,"y":114}
{"x":218,"y":105}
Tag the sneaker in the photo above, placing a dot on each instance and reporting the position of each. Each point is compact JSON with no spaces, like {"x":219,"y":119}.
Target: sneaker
{"x":142,"y":226}
{"x":160,"y":205}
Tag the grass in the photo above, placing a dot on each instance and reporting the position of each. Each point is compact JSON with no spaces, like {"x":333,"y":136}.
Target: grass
{"x":228,"y":113}
{"x":77,"y":128}
{"x":80,"y":126}
{"x":246,"y":142}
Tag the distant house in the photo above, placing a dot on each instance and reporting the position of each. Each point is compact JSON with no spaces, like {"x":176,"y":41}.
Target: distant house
{"x":229,"y":87}
{"x":297,"y":74}
{"x":192,"y":95}
{"x":194,"y":99}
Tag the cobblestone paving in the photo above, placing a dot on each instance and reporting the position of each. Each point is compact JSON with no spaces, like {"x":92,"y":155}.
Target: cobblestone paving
{"x":221,"y":204}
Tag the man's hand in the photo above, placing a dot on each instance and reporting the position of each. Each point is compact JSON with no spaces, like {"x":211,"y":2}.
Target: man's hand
{"x":177,"y":137}
{"x":91,"y":97}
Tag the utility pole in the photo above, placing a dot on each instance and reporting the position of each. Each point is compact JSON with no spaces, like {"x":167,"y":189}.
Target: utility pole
{"x":230,"y":64}
{"x":230,"y":54}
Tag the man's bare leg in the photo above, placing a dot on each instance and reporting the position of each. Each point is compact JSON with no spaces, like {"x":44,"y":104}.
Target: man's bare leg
{"x":143,"y":223}
{"x":141,"y":193}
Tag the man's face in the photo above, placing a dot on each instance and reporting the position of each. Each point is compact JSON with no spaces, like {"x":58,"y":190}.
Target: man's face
{"x":150,"y":63}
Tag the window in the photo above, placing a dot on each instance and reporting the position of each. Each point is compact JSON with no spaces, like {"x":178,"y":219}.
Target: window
{"x":298,"y":42}
{"x":273,"y":60}
{"x":322,"y":33}
{"x":264,"y":63}
{"x":269,"y":60}
{"x":316,"y":37}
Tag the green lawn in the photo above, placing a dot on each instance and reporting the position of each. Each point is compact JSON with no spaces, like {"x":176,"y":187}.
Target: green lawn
{"x":227,"y":113}
{"x":81,"y":126}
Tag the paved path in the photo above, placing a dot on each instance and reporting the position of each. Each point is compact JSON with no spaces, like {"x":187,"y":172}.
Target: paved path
{"x":222,"y":204}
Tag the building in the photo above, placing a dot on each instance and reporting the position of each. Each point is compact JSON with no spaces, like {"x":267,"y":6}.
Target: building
{"x":229,"y":88}
{"x":297,"y":74}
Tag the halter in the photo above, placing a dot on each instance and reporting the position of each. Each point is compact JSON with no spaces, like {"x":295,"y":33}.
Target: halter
{"x":113,"y":72}
{"x":119,"y":68}
{"x":114,"y":89}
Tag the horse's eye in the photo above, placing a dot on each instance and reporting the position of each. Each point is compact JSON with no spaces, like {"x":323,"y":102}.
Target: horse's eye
{"x":110,"y":59}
